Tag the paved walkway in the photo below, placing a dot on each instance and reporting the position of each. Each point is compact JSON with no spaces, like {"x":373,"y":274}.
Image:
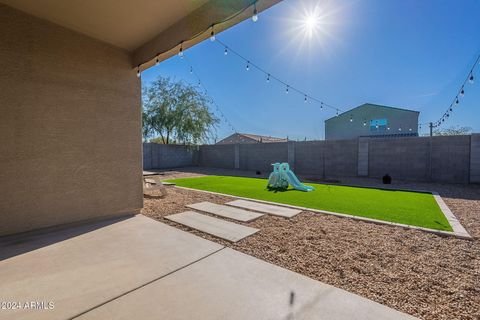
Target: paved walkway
{"x":138,"y":268}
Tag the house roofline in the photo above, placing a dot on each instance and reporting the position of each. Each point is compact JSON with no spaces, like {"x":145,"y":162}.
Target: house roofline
{"x":372,"y":104}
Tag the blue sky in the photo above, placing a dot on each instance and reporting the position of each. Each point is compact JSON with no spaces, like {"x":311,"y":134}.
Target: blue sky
{"x":409,"y":54}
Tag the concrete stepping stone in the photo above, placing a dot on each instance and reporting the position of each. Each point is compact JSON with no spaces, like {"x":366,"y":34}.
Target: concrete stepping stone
{"x":226,"y":211}
{"x":219,"y":228}
{"x":266,"y":208}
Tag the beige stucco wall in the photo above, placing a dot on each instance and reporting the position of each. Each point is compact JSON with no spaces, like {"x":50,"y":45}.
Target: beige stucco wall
{"x":70,"y":126}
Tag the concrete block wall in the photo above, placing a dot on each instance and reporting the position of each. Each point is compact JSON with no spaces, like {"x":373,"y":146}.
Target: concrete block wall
{"x":341,"y":158}
{"x":260,"y":156}
{"x":309,"y":158}
{"x":217,"y":156}
{"x":404,"y":158}
{"x":453,"y":159}
{"x":475,"y":158}
{"x":162,"y":156}
{"x":450,"y":159}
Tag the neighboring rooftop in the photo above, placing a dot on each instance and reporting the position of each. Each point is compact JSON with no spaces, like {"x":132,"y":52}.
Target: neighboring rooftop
{"x":373,"y":105}
{"x":250,"y":138}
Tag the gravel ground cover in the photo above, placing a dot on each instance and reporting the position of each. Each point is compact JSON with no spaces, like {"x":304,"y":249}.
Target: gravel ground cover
{"x":425,"y":275}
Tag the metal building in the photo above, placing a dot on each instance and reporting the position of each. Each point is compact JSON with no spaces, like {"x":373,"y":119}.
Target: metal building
{"x":372,"y":120}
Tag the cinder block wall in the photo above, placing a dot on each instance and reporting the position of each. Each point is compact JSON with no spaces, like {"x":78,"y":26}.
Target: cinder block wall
{"x":453,"y":159}
{"x":164,"y":156}
{"x":217,"y":156}
{"x":404,"y":158}
{"x":260,"y":156}
{"x":70,"y":126}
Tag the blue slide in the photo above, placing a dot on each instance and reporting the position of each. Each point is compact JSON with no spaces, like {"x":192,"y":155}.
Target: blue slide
{"x":293,"y":180}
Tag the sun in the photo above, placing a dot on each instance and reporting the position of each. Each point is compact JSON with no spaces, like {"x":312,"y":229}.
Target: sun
{"x":311,"y":24}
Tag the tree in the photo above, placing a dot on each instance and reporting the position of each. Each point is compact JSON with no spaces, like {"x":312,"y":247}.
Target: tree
{"x":452,"y":131}
{"x":176,"y":112}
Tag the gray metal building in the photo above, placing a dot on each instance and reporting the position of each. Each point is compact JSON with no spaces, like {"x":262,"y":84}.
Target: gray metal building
{"x":371,"y":120}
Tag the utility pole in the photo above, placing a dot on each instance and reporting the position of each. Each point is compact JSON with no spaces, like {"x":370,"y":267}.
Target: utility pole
{"x":431,"y":129}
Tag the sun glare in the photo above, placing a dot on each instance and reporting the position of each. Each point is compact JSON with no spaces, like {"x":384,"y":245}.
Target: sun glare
{"x":310,"y":24}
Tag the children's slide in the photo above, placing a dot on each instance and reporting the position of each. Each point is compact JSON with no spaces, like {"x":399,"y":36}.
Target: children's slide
{"x":282,"y":176}
{"x":293,"y":180}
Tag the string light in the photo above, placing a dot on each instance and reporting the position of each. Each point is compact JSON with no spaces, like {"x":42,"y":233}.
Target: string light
{"x":269,"y":77}
{"x":305,"y":99}
{"x":399,"y":129}
{"x":461,"y":93}
{"x":226,"y":51}
{"x":364,"y":123}
{"x":200,"y":83}
{"x":351,"y":118}
{"x":157,"y":61}
{"x":138,"y":72}
{"x":212,"y":35}
{"x":255,"y":13}
{"x":180,"y":52}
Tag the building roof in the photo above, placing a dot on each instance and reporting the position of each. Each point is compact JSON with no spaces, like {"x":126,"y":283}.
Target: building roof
{"x":260,"y":138}
{"x":374,"y":105}
{"x":255,"y":137}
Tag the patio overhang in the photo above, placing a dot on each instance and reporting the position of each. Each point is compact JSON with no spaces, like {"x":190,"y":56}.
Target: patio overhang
{"x":146,"y":28}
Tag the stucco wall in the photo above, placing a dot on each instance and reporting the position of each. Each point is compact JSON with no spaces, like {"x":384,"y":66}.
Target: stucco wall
{"x":69,"y":127}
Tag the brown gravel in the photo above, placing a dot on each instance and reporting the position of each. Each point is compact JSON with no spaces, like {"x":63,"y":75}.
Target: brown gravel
{"x":425,"y":275}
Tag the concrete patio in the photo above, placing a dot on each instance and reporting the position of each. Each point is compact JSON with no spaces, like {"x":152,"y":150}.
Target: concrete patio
{"x":136,"y":267}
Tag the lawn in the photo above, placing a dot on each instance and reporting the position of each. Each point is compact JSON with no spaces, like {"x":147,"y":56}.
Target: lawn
{"x":412,"y":208}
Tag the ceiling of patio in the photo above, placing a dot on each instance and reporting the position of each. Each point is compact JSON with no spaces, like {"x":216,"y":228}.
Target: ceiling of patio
{"x":146,"y":28}
{"x":123,"y":23}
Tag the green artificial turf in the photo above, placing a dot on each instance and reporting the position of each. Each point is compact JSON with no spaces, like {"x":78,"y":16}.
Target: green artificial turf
{"x":412,"y":208}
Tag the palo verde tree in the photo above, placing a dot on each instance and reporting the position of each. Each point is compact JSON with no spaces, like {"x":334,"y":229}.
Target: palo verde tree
{"x":176,"y":112}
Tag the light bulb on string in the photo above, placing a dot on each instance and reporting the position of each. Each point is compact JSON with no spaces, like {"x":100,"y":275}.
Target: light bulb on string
{"x":462,"y":93}
{"x":138,"y":72}
{"x":191,"y":70}
{"x":287,"y":89}
{"x":351,"y":118}
{"x":364,"y":123}
{"x":248,"y":65}
{"x":226,"y":51}
{"x":157,"y":61}
{"x":180,"y":52}
{"x":212,"y":35}
{"x":255,"y":13}
{"x":388,"y":128}
{"x":268,"y":78}
{"x":451,"y":109}
{"x":337,"y":113}
{"x":321,"y":105}
{"x":471,"y":78}
{"x":456,"y":101}
{"x":305,"y":100}
{"x":409,"y":129}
